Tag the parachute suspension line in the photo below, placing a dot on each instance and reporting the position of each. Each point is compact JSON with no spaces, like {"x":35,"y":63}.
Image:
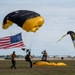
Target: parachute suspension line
{"x":10,"y":32}
{"x":25,"y":36}
{"x":32,"y":41}
{"x":13,"y":30}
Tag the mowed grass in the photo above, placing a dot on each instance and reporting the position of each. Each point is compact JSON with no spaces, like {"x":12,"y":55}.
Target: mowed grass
{"x":24,"y":69}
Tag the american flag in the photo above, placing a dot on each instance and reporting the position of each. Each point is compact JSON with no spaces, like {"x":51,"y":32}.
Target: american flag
{"x":14,"y":41}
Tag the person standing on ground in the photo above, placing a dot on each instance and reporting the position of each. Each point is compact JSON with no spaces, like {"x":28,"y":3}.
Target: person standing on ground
{"x":44,"y":56}
{"x":28,"y":57}
{"x":13,"y":60}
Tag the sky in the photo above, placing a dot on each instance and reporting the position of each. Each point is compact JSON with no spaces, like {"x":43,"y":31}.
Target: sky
{"x":59,"y":16}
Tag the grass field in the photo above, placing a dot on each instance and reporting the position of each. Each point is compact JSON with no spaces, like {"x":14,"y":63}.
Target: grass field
{"x":23,"y":68}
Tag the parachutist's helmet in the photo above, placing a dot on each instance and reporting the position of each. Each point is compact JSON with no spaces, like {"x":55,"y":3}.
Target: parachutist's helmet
{"x":13,"y":52}
{"x":44,"y":50}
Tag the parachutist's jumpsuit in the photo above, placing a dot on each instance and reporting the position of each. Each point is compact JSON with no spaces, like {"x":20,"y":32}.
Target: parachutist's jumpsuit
{"x":44,"y":57}
{"x":28,"y":58}
{"x":13,"y":60}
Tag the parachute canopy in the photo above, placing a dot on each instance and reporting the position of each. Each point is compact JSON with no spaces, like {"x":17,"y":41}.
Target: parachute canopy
{"x":47,"y":63}
{"x":72,"y":34}
{"x":27,"y":20}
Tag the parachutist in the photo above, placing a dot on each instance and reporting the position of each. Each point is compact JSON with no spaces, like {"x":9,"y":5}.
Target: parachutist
{"x":13,"y":60}
{"x":28,"y":57}
{"x":44,"y":56}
